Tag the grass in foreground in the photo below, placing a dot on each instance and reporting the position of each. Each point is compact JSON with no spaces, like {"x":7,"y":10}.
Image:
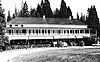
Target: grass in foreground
{"x":61,"y":55}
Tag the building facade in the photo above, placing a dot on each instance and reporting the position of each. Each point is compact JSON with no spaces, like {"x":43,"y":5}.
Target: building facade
{"x":46,"y":30}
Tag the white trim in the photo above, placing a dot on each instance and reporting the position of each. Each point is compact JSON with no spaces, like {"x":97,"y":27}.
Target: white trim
{"x":63,"y":37}
{"x":17,"y":37}
{"x":48,"y":25}
{"x":79,"y":36}
{"x":40,"y":37}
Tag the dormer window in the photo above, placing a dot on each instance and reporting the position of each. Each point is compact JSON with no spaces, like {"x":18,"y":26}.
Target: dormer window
{"x":16,"y":25}
{"x":10,"y":26}
{"x":21,"y":25}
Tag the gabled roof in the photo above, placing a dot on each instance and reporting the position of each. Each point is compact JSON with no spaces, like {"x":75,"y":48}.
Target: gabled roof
{"x":30,"y":20}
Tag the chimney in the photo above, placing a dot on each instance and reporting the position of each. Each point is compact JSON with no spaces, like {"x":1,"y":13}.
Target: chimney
{"x":43,"y":16}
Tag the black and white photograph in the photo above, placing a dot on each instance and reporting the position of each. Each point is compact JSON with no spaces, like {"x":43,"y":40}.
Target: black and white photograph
{"x":49,"y":31}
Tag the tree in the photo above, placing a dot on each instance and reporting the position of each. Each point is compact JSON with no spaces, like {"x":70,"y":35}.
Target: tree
{"x":13,"y":16}
{"x":63,"y":10}
{"x":2,"y":25}
{"x":92,"y":19}
{"x":56,"y":13}
{"x":33,"y":12}
{"x":82,"y":18}
{"x":38,"y":11}
{"x":69,"y":12}
{"x":77,"y":16}
{"x":8,"y":17}
{"x":16,"y":13}
{"x":24,"y":11}
{"x":46,"y":9}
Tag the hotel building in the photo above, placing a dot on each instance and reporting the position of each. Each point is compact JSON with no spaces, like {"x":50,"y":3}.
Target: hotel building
{"x":46,"y":30}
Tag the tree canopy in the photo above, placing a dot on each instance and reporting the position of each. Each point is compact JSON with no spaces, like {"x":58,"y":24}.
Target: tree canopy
{"x":92,"y":19}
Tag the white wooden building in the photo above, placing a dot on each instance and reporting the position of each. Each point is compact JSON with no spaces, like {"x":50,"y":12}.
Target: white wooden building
{"x":41,"y":30}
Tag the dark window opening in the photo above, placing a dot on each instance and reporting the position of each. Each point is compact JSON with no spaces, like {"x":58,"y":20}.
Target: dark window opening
{"x":42,"y":31}
{"x":72,"y":31}
{"x":48,"y":31}
{"x":16,"y":25}
{"x":29,"y":31}
{"x":86,"y":31}
{"x":33,"y":31}
{"x":53,"y":31}
{"x":81,"y":31}
{"x":21,"y":25}
{"x":68,"y":31}
{"x":24,"y":31}
{"x":36,"y":31}
{"x":77,"y":31}
{"x":64,"y":31}
{"x":17,"y":32}
{"x":10,"y":26}
{"x":10,"y":32}
{"x":45,"y":31}
{"x":59,"y":31}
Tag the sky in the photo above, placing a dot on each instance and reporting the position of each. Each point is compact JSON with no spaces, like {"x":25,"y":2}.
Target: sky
{"x":79,"y":6}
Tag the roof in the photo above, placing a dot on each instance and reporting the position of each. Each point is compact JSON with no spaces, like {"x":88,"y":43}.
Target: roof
{"x":30,"y":20}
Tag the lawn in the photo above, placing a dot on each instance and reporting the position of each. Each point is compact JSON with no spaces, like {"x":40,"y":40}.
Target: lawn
{"x":62,"y":55}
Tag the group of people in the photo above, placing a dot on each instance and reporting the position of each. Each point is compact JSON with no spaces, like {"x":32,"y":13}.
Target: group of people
{"x":65,"y":44}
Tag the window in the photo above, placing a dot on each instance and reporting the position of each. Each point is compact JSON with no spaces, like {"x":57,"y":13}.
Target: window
{"x":68,"y":31}
{"x":10,"y":32}
{"x":59,"y":31}
{"x":53,"y":31}
{"x":29,"y":31}
{"x":48,"y":31}
{"x":10,"y":26}
{"x":45,"y":31}
{"x":16,"y":25}
{"x":21,"y":25}
{"x":86,"y":31}
{"x":77,"y":31}
{"x":33,"y":31}
{"x":36,"y":31}
{"x":81,"y":31}
{"x":24,"y":31}
{"x":42,"y":31}
{"x":17,"y":32}
{"x":64,"y":31}
{"x":72,"y":31}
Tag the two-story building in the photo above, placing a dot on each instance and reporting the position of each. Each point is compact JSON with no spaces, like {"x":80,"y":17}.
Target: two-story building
{"x":46,"y":30}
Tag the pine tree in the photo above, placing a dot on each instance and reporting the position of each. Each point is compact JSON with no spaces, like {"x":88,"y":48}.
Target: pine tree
{"x":24,"y":11}
{"x":8,"y":17}
{"x":39,"y":11}
{"x":63,"y":10}
{"x":56,"y":13}
{"x":77,"y":16}
{"x":33,"y":12}
{"x":16,"y":13}
{"x":46,"y":9}
{"x":2,"y":25}
{"x":82,"y":18}
{"x":13,"y":16}
{"x":92,"y":19}
{"x":69,"y":12}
